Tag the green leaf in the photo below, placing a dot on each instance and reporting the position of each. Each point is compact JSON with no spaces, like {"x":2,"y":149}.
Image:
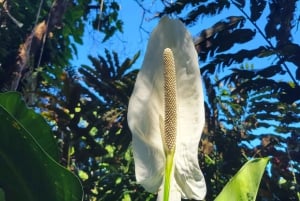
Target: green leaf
{"x":27,"y":171}
{"x":126,"y":197}
{"x":83,"y":175}
{"x":244,"y":185}
{"x":2,"y":195}
{"x":35,"y":124}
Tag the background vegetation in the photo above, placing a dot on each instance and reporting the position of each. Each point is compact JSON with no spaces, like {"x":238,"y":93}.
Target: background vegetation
{"x":249,"y":59}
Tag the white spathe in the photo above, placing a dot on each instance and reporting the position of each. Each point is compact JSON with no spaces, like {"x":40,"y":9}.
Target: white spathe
{"x":146,"y":114}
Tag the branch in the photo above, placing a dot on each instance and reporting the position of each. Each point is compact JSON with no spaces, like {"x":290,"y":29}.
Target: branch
{"x":35,"y":41}
{"x":6,"y":10}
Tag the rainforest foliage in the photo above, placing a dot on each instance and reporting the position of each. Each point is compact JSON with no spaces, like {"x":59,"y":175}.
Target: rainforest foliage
{"x":250,"y":65}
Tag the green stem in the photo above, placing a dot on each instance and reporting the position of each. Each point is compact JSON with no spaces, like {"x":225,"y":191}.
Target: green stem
{"x":69,"y":158}
{"x":168,"y":174}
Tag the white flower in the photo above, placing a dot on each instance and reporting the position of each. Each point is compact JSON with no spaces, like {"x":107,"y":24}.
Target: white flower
{"x":147,"y":118}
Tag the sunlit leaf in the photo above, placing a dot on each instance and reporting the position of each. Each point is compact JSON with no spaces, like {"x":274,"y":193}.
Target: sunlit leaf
{"x":83,"y":175}
{"x":245,"y":183}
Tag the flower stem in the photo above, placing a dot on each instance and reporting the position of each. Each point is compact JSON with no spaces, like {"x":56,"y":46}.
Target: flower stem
{"x":170,"y":123}
{"x":168,"y":174}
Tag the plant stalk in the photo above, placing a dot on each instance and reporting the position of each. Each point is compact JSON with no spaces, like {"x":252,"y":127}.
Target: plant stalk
{"x":168,"y":174}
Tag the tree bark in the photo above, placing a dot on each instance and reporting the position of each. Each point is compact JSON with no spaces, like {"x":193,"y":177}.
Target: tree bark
{"x":35,"y":40}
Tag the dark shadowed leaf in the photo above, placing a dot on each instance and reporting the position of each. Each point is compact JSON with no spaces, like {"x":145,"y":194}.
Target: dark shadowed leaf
{"x":32,"y":122}
{"x":242,"y":35}
{"x":206,"y":9}
{"x":270,"y":71}
{"x":257,"y":7}
{"x":27,"y":171}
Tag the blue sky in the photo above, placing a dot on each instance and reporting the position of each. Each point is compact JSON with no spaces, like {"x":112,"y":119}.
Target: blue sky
{"x":134,"y":39}
{"x":126,"y":44}
{"x":135,"y":34}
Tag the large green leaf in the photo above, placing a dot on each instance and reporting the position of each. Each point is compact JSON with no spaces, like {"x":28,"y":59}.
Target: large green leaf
{"x":244,"y":185}
{"x":35,"y":124}
{"x":27,"y":171}
{"x":2,"y":195}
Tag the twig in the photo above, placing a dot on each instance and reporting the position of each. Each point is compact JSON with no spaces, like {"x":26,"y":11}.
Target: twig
{"x":44,"y":37}
{"x":100,"y":15}
{"x":6,"y":10}
{"x":293,"y":172}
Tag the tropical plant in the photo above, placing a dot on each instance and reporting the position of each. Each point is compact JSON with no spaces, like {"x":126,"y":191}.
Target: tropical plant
{"x":250,"y":67}
{"x":248,"y":60}
{"x":29,"y":156}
